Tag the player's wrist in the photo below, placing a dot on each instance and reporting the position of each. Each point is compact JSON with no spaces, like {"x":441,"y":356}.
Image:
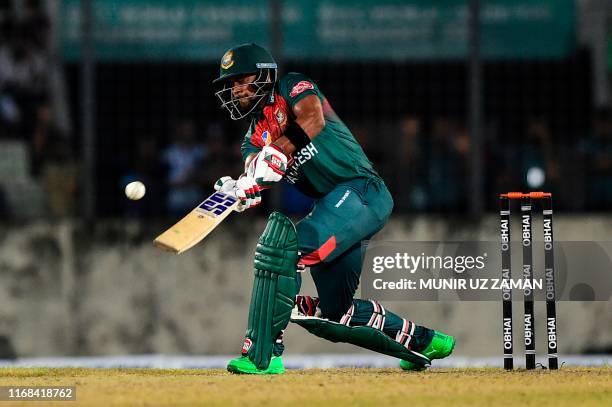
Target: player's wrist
{"x":286,"y":146}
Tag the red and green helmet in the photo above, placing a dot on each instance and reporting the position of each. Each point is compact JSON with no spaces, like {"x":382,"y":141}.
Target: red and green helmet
{"x":243,"y":60}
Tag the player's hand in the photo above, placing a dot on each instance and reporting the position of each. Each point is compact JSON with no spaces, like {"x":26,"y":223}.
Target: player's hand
{"x":268,"y":166}
{"x":226,"y":185}
{"x":249,"y":193}
{"x":245,"y":189}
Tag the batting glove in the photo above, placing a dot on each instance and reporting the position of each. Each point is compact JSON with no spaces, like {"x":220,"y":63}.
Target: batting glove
{"x":249,"y":193}
{"x":268,"y":166}
{"x":226,"y":185}
{"x":245,"y":189}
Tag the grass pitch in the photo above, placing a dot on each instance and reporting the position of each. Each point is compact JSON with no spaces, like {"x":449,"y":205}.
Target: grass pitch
{"x":336,"y":387}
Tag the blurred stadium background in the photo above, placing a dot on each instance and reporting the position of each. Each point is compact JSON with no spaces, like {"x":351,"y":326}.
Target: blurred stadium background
{"x":451,"y":109}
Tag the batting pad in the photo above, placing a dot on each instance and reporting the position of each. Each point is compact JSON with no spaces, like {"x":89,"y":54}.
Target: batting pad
{"x":274,"y":288}
{"x":364,"y":336}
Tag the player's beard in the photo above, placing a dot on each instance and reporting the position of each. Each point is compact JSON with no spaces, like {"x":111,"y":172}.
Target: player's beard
{"x":246,"y":103}
{"x":251,"y":103}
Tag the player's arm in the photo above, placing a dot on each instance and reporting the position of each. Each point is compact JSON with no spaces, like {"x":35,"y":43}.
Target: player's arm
{"x":309,"y":122}
{"x":270,"y":164}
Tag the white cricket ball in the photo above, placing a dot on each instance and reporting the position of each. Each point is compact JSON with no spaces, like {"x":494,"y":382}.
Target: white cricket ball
{"x":535,"y":177}
{"x":135,"y":190}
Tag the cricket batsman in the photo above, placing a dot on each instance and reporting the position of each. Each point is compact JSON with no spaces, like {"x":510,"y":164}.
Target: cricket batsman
{"x":295,"y":135}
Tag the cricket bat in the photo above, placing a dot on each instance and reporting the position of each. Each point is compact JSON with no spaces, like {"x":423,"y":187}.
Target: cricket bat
{"x":198,"y":223}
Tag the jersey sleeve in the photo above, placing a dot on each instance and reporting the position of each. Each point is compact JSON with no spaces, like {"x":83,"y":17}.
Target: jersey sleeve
{"x":293,"y":87}
{"x":247,"y":147}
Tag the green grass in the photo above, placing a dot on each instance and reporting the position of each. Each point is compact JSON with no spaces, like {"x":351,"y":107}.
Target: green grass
{"x":323,"y":387}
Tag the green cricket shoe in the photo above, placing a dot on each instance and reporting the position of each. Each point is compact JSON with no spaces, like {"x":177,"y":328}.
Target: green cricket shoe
{"x":243,"y":365}
{"x":440,"y":347}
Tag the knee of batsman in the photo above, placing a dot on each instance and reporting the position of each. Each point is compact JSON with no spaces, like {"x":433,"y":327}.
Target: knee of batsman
{"x":277,"y":248}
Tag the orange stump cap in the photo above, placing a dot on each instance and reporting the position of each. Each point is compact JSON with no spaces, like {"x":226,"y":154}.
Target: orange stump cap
{"x":532,"y":195}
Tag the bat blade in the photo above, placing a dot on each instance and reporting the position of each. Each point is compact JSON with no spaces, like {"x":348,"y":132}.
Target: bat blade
{"x":197,"y":224}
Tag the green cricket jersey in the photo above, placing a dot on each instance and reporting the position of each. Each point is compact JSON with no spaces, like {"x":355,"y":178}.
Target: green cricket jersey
{"x":334,"y":156}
